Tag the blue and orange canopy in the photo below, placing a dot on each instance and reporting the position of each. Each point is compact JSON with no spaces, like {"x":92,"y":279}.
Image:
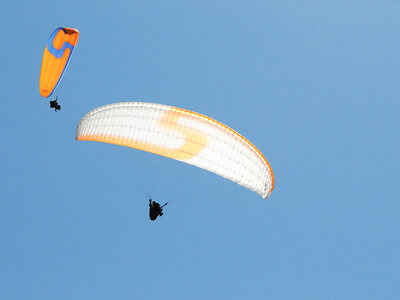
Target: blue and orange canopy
{"x":56,"y":58}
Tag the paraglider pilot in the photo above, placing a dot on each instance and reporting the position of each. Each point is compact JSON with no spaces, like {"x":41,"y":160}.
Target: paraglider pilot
{"x":54,"y":104}
{"x":155,"y":209}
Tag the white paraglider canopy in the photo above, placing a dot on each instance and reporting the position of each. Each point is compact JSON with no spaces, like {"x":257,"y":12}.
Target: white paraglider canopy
{"x":182,"y":135}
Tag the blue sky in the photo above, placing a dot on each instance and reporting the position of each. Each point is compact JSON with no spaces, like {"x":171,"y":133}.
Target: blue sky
{"x":313,"y":84}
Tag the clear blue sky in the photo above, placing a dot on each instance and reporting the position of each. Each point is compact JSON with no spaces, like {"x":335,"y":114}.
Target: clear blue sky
{"x":313,"y":84}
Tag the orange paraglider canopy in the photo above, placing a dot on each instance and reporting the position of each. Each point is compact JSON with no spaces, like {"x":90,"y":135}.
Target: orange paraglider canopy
{"x":56,"y":56}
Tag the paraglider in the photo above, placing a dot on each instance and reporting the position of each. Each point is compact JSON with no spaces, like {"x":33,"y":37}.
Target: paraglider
{"x":155,"y":209}
{"x":181,"y":135}
{"x":54,"y":104}
{"x":56,"y":57}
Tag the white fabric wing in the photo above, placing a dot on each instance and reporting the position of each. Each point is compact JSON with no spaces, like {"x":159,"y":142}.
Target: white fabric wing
{"x":182,"y":135}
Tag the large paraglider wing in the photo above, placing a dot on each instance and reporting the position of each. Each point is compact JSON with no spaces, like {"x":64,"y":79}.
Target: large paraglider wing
{"x":182,"y":135}
{"x":56,"y":56}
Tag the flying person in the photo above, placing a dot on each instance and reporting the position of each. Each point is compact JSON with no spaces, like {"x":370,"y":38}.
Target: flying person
{"x":54,"y":104}
{"x":155,"y":209}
